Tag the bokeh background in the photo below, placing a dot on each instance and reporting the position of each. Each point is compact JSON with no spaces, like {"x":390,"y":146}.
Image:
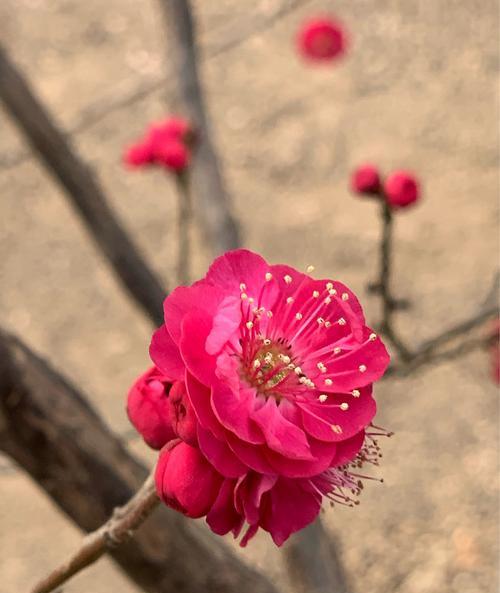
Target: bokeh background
{"x":418,"y":89}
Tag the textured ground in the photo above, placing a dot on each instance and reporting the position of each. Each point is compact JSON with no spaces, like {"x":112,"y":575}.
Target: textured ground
{"x":417,"y":90}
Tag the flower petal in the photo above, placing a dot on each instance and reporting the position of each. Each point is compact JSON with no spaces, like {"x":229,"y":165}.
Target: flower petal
{"x":220,"y":455}
{"x":166,"y":356}
{"x":222,"y":517}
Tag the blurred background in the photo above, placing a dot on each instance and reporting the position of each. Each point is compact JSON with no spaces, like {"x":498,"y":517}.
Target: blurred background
{"x":417,"y":89}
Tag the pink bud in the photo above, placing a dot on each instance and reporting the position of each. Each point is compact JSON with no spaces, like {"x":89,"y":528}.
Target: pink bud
{"x":173,"y":155}
{"x":138,"y":155}
{"x":174,"y":128}
{"x":365,"y":180}
{"x":186,"y":481}
{"x":181,"y":413}
{"x":148,"y":410}
{"x":401,"y":189}
{"x":321,"y":39}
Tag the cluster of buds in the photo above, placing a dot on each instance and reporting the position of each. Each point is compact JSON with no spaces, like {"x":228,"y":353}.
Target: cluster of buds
{"x":166,"y":144}
{"x":399,"y":190}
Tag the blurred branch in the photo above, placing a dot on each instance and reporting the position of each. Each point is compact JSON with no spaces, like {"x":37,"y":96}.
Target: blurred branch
{"x":205,"y":177}
{"x":122,"y":96}
{"x":313,"y":562}
{"x":81,"y":187}
{"x":117,"y":530}
{"x":184,"y":216}
{"x":50,"y":430}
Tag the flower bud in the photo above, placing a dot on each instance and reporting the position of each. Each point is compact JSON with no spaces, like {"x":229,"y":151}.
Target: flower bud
{"x":186,"y":481}
{"x":365,"y":180}
{"x":321,"y":39}
{"x":148,"y":410}
{"x":401,"y":189}
{"x":173,"y":155}
{"x":138,"y":155}
{"x":181,"y":413}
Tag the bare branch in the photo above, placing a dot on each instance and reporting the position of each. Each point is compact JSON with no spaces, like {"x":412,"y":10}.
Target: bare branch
{"x":50,"y":430}
{"x":183,"y":228}
{"x":81,"y":187}
{"x":117,"y":530}
{"x":207,"y":185}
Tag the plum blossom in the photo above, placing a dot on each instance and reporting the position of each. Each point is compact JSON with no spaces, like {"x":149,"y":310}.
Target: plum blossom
{"x":275,"y":374}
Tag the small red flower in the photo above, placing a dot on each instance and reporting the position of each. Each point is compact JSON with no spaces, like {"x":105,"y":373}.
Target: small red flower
{"x":148,"y":409}
{"x":365,"y":180}
{"x":321,"y":39}
{"x":401,"y":189}
{"x":165,"y":144}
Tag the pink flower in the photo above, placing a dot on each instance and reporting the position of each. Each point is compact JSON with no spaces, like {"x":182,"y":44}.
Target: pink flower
{"x":401,"y":189}
{"x":278,"y":369}
{"x":165,"y":144}
{"x":181,"y":414}
{"x":321,"y":39}
{"x":366,"y":180}
{"x":148,"y":409}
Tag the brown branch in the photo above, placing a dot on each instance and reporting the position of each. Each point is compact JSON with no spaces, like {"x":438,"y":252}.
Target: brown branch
{"x":50,"y":430}
{"x":438,"y":349}
{"x":313,"y":562}
{"x":81,"y":187}
{"x":116,"y":531}
{"x":184,"y":224}
{"x":207,"y":185}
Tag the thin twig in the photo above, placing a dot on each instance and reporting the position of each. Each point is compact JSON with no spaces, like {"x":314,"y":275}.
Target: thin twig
{"x":81,"y":187}
{"x":184,"y":214}
{"x":207,"y":185}
{"x":116,"y":531}
{"x":384,"y":284}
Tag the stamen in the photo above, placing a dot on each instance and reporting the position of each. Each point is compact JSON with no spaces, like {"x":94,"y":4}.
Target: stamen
{"x":243,"y":296}
{"x":336,"y":429}
{"x":287,"y":279}
{"x":243,"y":286}
{"x":337,"y":350}
{"x":341,"y":321}
{"x":355,"y":393}
{"x":345,"y":296}
{"x":315,"y":294}
{"x":289,"y":300}
{"x":362,"y":368}
{"x":373,"y":337}
{"x":310,"y":269}
{"x":298,"y":316}
{"x":269,"y":276}
{"x":328,"y":382}
{"x":323,"y":397}
{"x":344,"y":406}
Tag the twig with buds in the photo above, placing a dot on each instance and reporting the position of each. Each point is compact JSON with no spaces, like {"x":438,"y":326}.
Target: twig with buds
{"x":117,"y":530}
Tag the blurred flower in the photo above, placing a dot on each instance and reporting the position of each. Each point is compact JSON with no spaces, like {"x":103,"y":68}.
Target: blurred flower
{"x":147,"y":408}
{"x":365,"y":180}
{"x":321,"y":39}
{"x":165,"y":144}
{"x":278,"y":368}
{"x":401,"y":189}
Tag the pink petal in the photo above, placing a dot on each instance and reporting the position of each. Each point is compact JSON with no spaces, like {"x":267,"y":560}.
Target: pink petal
{"x":222,"y":517}
{"x":254,"y":456}
{"x":291,"y":507}
{"x":281,"y":435}
{"x":165,"y":354}
{"x":220,"y":455}
{"x":322,"y":452}
{"x":196,"y":327}
{"x":226,"y":323}
{"x":199,"y":396}
{"x":348,"y":449}
{"x":201,"y":296}
{"x":238,"y":267}
{"x":318,"y":418}
{"x":249,"y":492}
{"x":233,"y":410}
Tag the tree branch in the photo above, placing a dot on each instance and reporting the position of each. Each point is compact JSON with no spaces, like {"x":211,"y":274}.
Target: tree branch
{"x":81,"y":187}
{"x":50,"y":430}
{"x":208,"y":191}
{"x":117,"y":530}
